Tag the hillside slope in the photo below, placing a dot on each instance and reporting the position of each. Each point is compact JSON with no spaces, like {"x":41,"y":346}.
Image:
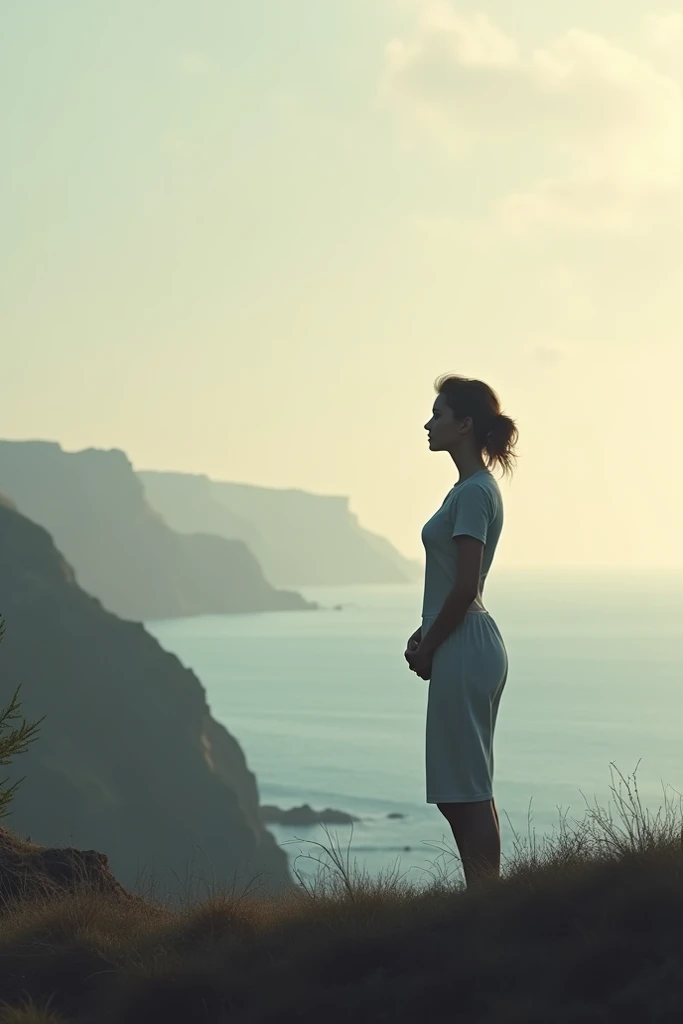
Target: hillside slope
{"x":128,"y":759}
{"x":300,"y":539}
{"x":121,"y":550}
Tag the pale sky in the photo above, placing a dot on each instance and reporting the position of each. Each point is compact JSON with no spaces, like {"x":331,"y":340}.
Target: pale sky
{"x":242,"y":238}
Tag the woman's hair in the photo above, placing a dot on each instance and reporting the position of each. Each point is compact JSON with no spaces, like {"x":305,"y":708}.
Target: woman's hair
{"x":494,"y":432}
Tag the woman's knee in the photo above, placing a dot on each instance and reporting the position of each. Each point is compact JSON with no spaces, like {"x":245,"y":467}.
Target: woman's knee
{"x":452,"y":812}
{"x":464,"y":812}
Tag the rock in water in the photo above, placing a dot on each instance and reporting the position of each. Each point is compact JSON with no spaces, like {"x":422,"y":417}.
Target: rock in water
{"x":304,"y":815}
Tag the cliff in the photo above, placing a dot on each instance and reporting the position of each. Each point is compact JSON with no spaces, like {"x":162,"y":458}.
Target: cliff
{"x":122,"y":551}
{"x":299,"y":538}
{"x":128,"y":759}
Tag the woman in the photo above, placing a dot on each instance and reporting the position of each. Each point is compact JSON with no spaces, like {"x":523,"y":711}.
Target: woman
{"x":458,"y":646}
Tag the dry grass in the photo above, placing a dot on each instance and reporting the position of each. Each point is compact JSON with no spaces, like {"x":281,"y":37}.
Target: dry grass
{"x":29,"y":1013}
{"x":585,"y":925}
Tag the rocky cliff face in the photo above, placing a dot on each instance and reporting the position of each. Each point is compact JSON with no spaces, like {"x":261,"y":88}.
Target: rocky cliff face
{"x":299,"y":538}
{"x":122,"y":551}
{"x":128,"y":759}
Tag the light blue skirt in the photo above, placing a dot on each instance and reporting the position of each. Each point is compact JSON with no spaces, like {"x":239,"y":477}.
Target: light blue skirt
{"x":469,"y":672}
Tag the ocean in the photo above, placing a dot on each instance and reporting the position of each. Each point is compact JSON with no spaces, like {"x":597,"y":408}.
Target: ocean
{"x":328,"y":713}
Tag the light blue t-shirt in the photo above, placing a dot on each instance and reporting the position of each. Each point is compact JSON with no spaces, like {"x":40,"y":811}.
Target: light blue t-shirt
{"x":472,"y":508}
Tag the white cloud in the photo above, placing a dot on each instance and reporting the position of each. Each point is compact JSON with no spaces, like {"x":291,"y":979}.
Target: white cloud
{"x":597,"y":129}
{"x":475,"y":41}
{"x":665,"y":31}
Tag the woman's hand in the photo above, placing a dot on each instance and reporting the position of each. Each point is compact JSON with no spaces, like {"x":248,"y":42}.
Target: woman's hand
{"x":412,"y":644}
{"x":420,"y":661}
{"x":414,"y":640}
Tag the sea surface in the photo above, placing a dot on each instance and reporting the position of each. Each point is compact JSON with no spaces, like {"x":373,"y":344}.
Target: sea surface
{"x":328,"y":713}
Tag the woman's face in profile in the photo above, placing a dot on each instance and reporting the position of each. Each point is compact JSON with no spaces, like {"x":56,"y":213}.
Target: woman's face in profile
{"x":444,"y":430}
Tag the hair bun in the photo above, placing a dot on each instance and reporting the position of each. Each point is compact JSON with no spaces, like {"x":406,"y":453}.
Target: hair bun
{"x":495,"y":422}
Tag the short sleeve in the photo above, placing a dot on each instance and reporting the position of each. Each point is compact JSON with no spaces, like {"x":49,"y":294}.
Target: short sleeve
{"x":472,"y":513}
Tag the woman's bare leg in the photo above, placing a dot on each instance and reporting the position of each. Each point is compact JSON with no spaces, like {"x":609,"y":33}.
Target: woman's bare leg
{"x":476,"y":831}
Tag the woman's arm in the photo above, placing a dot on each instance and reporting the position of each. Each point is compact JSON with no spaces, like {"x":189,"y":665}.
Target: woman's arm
{"x":469,"y":555}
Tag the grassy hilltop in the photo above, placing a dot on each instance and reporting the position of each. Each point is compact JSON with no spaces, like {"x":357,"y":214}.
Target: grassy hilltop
{"x":585,"y":926}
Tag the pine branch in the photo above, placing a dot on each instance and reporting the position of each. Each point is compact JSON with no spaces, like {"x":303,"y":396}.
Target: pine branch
{"x":16,"y":742}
